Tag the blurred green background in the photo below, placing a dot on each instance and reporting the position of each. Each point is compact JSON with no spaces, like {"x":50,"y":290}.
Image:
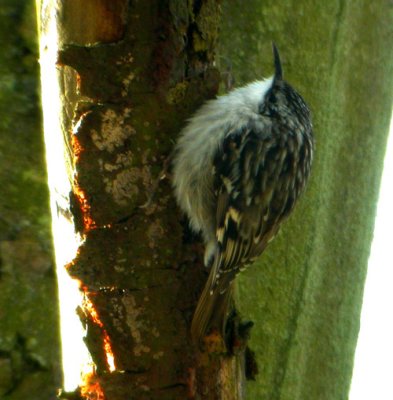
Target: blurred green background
{"x":29,"y":344}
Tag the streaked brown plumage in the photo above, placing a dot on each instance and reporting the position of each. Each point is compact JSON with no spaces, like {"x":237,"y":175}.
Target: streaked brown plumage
{"x":246,"y":183}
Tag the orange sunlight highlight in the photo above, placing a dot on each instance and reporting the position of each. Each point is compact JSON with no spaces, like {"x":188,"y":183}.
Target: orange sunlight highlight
{"x":110,"y":359}
{"x":90,"y":387}
{"x":88,"y":222}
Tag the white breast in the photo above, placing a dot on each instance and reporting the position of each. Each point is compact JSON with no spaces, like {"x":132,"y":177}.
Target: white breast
{"x":199,"y":142}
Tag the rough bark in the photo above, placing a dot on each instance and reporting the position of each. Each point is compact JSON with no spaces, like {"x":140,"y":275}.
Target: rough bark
{"x":29,"y":342}
{"x":305,"y":293}
{"x":130,"y":73}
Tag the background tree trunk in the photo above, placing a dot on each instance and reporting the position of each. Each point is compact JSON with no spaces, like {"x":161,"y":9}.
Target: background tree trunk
{"x":29,"y":355}
{"x":305,"y":293}
{"x":130,"y":73}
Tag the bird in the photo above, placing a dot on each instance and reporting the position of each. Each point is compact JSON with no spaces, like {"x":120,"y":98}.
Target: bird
{"x":240,"y":164}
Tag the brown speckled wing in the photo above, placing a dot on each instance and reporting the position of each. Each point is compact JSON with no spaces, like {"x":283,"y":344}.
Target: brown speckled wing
{"x":256,"y":187}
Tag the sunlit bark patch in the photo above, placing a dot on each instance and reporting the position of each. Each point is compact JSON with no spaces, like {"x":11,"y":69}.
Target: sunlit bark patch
{"x":91,"y":388}
{"x":88,"y":307}
{"x":88,"y":221}
{"x":80,"y":195}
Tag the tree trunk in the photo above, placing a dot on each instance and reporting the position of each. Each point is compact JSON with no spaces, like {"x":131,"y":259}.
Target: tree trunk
{"x":129,"y":73}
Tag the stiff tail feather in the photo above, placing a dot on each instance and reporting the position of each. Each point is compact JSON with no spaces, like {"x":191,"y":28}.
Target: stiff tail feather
{"x":212,"y":309}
